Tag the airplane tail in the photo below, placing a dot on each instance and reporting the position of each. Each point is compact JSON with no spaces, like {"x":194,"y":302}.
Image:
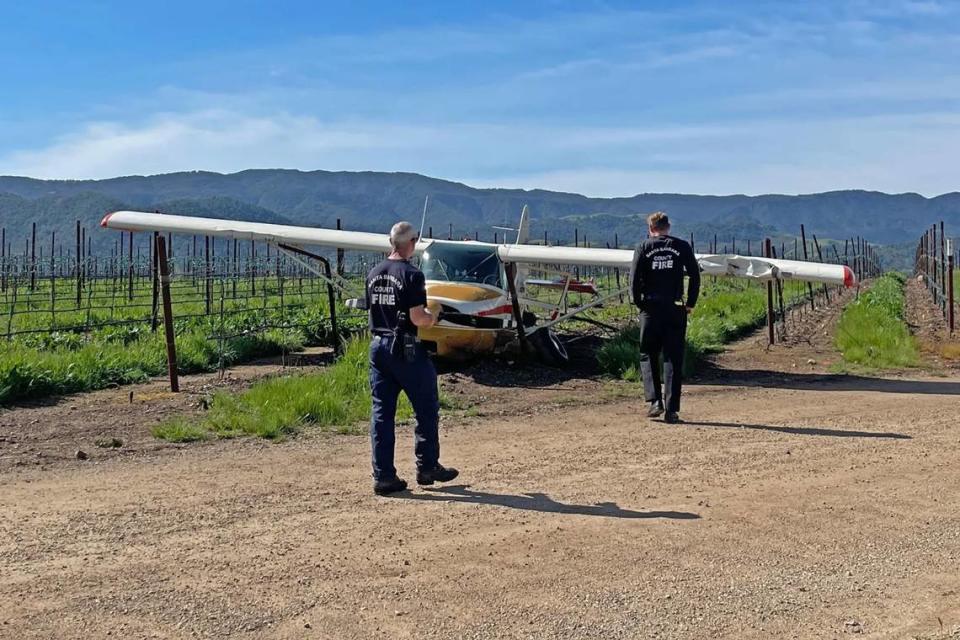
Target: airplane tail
{"x":523,"y":232}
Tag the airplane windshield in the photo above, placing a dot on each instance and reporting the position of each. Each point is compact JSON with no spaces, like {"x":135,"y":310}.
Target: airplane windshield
{"x":462,"y":263}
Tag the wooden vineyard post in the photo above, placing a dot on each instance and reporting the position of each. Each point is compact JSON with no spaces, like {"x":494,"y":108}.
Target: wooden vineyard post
{"x":33,"y":258}
{"x":79,"y":280}
{"x":943,"y":262}
{"x":207,"y":284}
{"x":950,"y":311}
{"x":803,"y":239}
{"x":155,"y":272}
{"x":340,"y":256}
{"x":3,"y":260}
{"x":826,"y":292}
{"x":53,"y":279}
{"x":130,"y":268}
{"x":933,"y":264}
{"x":783,"y":312}
{"x":164,"y":270}
{"x":768,"y":252}
{"x":276,"y":259}
{"x":576,"y":269}
{"x":616,"y":245}
{"x":253,"y":268}
{"x":236,"y":269}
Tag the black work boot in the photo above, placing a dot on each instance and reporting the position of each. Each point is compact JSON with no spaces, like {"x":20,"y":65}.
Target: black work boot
{"x":656,"y":408}
{"x":438,"y":474}
{"x":672,"y":418}
{"x":387,"y":486}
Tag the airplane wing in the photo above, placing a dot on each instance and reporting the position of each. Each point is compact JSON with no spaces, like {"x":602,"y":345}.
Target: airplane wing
{"x":711,"y":264}
{"x":190,"y":225}
{"x":753,"y":267}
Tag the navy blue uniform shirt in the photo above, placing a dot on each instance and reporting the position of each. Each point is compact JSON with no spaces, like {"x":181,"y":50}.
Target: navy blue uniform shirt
{"x":659,"y":270}
{"x":394,"y":286}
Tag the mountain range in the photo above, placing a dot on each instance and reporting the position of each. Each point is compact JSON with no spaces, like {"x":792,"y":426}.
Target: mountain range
{"x":372,"y":201}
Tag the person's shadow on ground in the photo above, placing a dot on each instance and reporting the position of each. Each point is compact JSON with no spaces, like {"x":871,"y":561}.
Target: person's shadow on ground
{"x":538,"y":502}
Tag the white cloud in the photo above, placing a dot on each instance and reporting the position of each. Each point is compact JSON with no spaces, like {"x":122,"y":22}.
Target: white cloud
{"x":889,"y":153}
{"x":210,"y":139}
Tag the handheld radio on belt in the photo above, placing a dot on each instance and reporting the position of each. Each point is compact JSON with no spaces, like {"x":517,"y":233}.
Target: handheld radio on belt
{"x":404,"y":343}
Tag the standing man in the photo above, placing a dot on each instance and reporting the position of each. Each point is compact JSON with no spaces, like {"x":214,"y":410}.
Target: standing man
{"x":397,"y":298}
{"x":658,"y":271}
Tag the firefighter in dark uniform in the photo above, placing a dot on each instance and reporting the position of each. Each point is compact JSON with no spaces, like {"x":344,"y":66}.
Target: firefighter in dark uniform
{"x":658,"y":272}
{"x":396,"y":297}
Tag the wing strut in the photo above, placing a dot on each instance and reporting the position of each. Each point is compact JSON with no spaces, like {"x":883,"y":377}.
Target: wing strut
{"x":331,"y":298}
{"x":511,"y":270}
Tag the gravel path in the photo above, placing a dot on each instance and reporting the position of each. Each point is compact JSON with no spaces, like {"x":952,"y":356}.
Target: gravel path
{"x":811,"y":507}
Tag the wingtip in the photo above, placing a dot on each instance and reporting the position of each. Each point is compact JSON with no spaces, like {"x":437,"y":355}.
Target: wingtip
{"x":106,"y":219}
{"x":849,"y":279}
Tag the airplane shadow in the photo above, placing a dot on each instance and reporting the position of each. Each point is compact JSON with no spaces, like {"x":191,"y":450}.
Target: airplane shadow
{"x":800,"y":431}
{"x":538,"y":502}
{"x":511,"y":371}
{"x":823,"y":382}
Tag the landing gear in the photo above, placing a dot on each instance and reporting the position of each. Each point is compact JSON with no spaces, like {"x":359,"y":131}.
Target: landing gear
{"x":548,"y":347}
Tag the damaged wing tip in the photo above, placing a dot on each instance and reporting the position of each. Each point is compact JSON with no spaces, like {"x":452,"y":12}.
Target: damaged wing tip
{"x":849,"y":279}
{"x":106,"y":219}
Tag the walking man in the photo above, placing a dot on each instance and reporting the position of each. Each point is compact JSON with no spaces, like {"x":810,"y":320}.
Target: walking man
{"x":659,"y":267}
{"x":396,"y":296}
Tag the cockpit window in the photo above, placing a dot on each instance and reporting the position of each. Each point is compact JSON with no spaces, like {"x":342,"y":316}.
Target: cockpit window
{"x":462,"y":263}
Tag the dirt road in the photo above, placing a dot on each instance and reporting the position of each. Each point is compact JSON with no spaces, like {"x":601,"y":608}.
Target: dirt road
{"x":805,"y":508}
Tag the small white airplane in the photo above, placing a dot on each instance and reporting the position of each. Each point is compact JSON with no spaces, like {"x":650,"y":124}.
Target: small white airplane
{"x":479,"y":288}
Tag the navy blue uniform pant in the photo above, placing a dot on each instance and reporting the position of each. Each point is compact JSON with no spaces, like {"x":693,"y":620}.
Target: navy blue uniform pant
{"x":389,"y":375}
{"x":663,"y":331}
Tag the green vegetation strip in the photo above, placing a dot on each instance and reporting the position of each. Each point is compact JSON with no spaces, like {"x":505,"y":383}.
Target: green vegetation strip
{"x":727,"y":310}
{"x":338,"y":398}
{"x":872,"y":334}
{"x":62,"y":361}
{"x":27,"y":373}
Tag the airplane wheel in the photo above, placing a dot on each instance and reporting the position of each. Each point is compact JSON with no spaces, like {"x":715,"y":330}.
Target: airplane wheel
{"x":548,"y":348}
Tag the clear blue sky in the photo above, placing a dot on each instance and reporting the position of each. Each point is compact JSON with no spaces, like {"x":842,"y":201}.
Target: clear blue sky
{"x":603,"y":98}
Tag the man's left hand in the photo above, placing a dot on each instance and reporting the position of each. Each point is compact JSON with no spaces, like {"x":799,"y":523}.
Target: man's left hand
{"x":689,"y":310}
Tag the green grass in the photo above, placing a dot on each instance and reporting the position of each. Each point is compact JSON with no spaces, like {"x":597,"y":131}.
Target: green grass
{"x":337,"y":399}
{"x":180,"y":430}
{"x":726,"y":311}
{"x":872,"y":334}
{"x":27,"y":372}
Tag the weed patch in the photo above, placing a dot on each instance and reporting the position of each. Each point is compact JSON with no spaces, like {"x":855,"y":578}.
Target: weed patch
{"x":337,"y":398}
{"x":872,"y":333}
{"x":180,"y":430}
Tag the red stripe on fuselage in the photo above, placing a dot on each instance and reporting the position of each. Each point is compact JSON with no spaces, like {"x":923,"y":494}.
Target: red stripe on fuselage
{"x":505,"y":308}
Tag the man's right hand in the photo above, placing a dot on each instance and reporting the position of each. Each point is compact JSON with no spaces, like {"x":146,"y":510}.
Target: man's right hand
{"x":422,"y":317}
